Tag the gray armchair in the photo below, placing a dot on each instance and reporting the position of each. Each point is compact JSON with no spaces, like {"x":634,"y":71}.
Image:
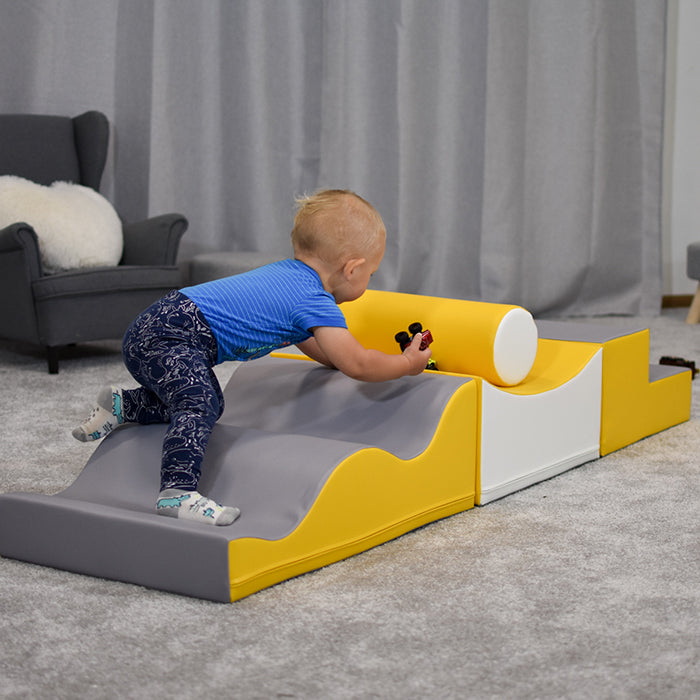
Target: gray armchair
{"x":88,"y":303}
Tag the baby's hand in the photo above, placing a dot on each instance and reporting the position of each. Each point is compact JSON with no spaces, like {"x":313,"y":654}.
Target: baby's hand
{"x":417,"y":358}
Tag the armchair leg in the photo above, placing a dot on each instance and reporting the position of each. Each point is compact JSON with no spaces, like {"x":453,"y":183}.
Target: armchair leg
{"x":52,"y":357}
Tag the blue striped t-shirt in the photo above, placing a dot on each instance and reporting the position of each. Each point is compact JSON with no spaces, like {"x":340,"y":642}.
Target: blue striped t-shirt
{"x":256,"y":312}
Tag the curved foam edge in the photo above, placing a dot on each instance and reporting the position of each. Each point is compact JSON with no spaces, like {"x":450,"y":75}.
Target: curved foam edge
{"x":405,"y":494}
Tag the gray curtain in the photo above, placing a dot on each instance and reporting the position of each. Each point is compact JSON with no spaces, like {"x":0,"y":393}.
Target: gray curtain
{"x":513,"y":147}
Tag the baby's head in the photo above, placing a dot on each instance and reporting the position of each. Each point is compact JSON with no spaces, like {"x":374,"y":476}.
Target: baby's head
{"x":336,"y":226}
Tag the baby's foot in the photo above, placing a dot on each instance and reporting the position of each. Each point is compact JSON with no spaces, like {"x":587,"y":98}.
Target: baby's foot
{"x":106,"y":416}
{"x":191,"y":505}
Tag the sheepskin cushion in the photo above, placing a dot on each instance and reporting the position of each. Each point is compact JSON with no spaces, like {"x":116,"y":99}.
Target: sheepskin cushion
{"x":76,"y":226}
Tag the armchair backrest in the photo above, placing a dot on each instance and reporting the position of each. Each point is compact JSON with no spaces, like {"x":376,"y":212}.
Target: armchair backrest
{"x":45,"y":148}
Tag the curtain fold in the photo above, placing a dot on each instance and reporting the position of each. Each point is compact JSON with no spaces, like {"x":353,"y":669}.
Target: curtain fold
{"x":573,"y":153}
{"x":513,"y":147}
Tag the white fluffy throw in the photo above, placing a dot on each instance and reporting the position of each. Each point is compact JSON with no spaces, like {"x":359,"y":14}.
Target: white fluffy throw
{"x":76,"y":226}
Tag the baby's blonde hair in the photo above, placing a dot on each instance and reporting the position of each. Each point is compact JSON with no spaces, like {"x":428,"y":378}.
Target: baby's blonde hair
{"x":336,"y":226}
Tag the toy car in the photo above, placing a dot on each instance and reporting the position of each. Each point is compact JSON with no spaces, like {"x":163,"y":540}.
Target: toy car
{"x":679,"y":362}
{"x":404,"y":340}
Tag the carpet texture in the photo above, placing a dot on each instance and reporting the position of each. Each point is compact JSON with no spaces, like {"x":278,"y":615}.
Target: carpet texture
{"x":584,"y":586}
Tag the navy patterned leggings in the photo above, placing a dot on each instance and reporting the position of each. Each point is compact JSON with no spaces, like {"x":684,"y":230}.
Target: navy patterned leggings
{"x":171,"y":351}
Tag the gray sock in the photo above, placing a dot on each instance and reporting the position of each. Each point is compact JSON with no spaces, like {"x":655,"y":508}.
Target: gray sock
{"x":106,"y":416}
{"x":191,"y":505}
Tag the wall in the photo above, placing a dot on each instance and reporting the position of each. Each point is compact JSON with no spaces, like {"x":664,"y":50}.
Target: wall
{"x":681,"y":211}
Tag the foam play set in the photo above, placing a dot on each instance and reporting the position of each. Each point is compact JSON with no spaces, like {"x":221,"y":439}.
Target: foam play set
{"x":324,"y":467}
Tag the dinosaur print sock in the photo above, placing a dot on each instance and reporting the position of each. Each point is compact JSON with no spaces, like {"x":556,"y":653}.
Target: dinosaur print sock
{"x":191,"y":505}
{"x":106,"y":416}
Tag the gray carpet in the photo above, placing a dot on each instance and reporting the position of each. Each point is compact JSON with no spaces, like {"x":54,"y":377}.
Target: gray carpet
{"x":585,"y":586}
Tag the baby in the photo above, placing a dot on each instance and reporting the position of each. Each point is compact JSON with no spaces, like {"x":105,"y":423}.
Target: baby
{"x":172,"y":347}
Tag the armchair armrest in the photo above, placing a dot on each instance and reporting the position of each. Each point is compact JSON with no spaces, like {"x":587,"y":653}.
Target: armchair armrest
{"x":19,"y":242}
{"x":154,"y":241}
{"x":20,"y":266}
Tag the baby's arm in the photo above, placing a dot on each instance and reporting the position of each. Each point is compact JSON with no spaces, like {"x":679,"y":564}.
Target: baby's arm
{"x":312,"y":349}
{"x":337,"y":347}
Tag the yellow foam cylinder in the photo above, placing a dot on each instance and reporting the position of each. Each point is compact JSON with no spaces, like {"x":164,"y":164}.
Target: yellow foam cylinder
{"x":495,"y":341}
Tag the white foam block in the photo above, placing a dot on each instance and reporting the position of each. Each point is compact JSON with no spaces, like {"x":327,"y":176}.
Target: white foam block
{"x":529,"y":438}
